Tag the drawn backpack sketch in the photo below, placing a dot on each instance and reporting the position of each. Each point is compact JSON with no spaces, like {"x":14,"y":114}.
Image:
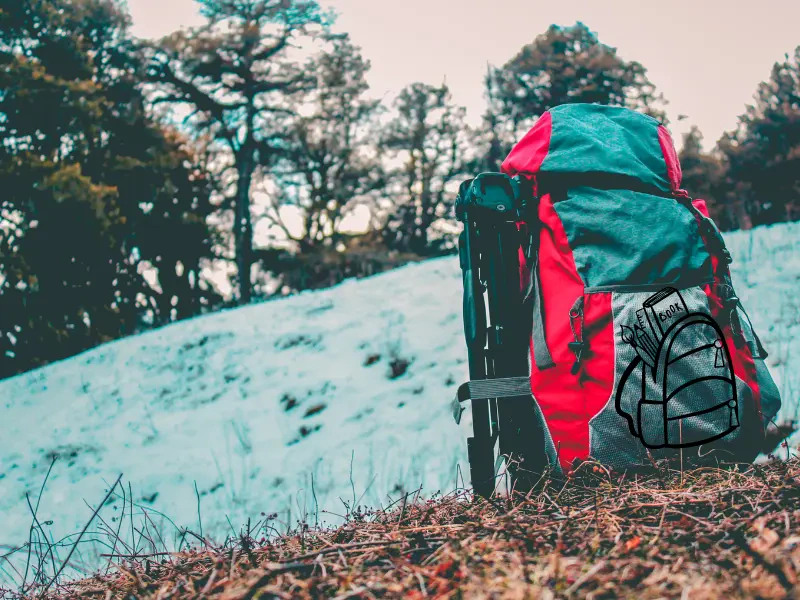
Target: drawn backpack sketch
{"x":620,"y":245}
{"x":685,"y":380}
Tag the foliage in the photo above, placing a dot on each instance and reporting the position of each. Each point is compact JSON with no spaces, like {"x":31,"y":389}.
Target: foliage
{"x":561,"y":66}
{"x":704,"y":177}
{"x":357,"y":255}
{"x":431,"y":143}
{"x":763,"y":154}
{"x":102,"y":210}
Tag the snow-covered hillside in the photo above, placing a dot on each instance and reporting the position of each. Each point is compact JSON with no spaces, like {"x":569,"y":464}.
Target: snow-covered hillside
{"x":252,"y":404}
{"x":248,"y":403}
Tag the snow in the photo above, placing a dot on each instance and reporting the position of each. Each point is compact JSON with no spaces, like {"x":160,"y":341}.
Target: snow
{"x":222,"y":403}
{"x":766,"y":276}
{"x":206,"y":400}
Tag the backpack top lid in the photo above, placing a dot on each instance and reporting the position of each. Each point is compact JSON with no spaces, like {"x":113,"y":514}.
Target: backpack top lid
{"x":589,"y":139}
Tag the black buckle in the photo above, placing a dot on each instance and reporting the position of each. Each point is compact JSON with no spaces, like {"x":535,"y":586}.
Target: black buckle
{"x":507,"y":198}
{"x":726,"y":255}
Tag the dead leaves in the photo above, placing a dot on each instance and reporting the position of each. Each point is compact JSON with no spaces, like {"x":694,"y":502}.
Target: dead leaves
{"x":712,"y":534}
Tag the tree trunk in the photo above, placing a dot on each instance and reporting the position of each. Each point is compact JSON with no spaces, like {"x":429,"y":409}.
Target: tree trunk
{"x":243,"y":227}
{"x":741,"y":215}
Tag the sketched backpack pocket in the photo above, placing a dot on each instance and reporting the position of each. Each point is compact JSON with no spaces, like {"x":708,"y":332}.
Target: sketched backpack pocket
{"x":684,"y":385}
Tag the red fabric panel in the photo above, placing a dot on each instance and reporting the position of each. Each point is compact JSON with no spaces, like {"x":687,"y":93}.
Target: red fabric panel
{"x":529,"y":153}
{"x":674,"y":173}
{"x":744,"y":366}
{"x":701,"y":205}
{"x":568,"y":401}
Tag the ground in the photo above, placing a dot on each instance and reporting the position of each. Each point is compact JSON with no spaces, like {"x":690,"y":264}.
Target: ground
{"x":714,"y":533}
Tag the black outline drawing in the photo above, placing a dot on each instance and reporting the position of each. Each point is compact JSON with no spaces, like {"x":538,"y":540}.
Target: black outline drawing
{"x":653,"y":357}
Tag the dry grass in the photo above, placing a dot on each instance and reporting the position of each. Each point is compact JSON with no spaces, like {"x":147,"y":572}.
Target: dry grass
{"x":709,"y":533}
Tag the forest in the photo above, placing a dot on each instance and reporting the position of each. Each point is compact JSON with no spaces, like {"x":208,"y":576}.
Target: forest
{"x":144,"y":182}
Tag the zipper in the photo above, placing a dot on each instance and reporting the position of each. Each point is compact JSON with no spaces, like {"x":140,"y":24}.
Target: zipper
{"x":576,"y":324}
{"x":578,"y":345}
{"x":645,"y":287}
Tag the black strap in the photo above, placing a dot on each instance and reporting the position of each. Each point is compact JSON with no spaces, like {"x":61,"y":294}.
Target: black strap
{"x":558,"y":184}
{"x":757,"y":349}
{"x":483,"y":389}
{"x":714,"y":240}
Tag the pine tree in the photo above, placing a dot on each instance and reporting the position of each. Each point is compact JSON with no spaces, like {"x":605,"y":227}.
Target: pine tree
{"x":331,"y":163}
{"x":763,"y":154}
{"x":704,"y":177}
{"x":330,"y":167}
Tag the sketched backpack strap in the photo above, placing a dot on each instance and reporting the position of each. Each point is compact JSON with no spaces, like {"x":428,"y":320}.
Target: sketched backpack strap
{"x":682,"y":387}
{"x":694,"y":372}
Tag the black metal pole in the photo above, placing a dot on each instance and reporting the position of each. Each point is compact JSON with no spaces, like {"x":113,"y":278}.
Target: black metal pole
{"x":480,"y":447}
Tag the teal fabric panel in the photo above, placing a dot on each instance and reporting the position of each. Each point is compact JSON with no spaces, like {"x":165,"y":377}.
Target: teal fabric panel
{"x":591,"y":138}
{"x":621,"y":237}
{"x":770,"y":396}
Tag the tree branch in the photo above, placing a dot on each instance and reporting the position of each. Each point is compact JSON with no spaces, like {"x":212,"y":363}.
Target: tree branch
{"x":271,"y":51}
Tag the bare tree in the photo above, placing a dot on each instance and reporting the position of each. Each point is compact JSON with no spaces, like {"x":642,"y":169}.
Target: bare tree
{"x":331,"y":162}
{"x":429,"y":138}
{"x":234,"y":75}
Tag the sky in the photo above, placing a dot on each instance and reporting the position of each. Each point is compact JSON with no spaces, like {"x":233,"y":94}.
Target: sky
{"x":705,"y":56}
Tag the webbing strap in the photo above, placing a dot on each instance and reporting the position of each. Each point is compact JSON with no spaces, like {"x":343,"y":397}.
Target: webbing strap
{"x":720,"y":250}
{"x":541,"y":353}
{"x":483,"y":389}
{"x":757,"y":349}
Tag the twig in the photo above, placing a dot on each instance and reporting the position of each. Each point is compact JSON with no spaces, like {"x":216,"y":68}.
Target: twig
{"x":35,"y":512}
{"x":275,"y":570}
{"x":739,"y":539}
{"x":135,"y":556}
{"x":199,"y":519}
{"x":345,"y":548}
{"x":584,"y":578}
{"x":119,"y":526}
{"x":352,"y":483}
{"x":85,"y":527}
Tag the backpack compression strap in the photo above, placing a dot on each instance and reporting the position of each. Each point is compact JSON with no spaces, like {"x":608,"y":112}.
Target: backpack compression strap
{"x":484,"y":389}
{"x":541,"y":353}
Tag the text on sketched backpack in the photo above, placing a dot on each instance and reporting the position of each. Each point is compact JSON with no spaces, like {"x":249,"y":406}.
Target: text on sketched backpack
{"x":639,"y":343}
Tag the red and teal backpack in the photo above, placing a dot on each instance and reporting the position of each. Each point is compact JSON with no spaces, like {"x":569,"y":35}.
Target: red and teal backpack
{"x":639,"y":345}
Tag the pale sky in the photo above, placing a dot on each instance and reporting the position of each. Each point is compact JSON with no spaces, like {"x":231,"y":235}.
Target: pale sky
{"x":705,"y":56}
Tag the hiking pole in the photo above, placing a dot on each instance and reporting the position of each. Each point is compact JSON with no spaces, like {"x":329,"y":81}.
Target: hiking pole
{"x":505,"y":416}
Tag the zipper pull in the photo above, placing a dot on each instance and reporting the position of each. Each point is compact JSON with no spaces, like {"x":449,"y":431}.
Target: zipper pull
{"x":729,"y":303}
{"x":578,"y":345}
{"x":719,"y":357}
{"x":577,"y":348}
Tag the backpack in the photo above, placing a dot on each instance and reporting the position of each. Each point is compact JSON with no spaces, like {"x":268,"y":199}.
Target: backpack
{"x":640,"y":348}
